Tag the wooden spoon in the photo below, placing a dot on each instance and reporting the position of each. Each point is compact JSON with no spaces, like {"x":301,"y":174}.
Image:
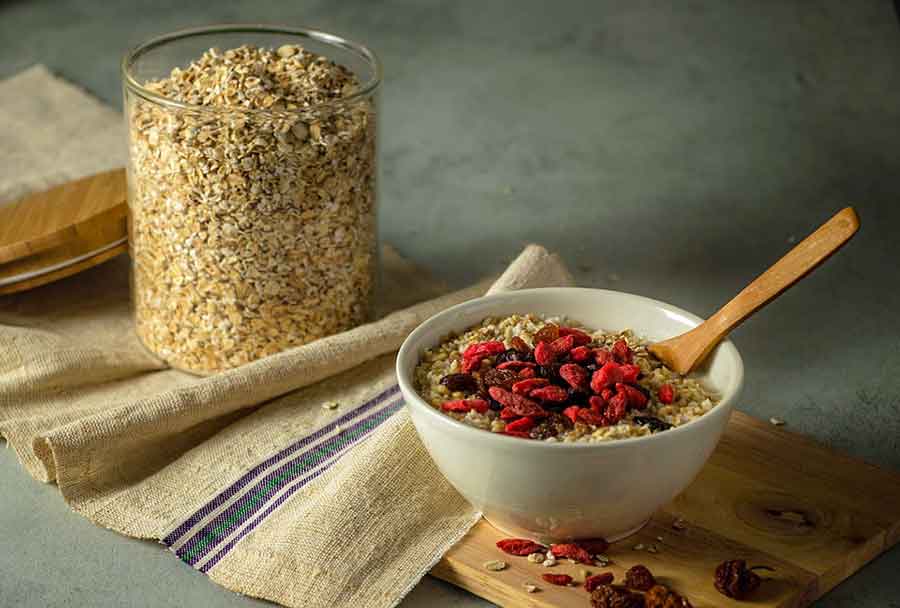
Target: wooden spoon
{"x":683,"y":353}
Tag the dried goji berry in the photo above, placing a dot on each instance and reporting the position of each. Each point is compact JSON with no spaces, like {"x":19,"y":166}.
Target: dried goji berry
{"x":592,"y":582}
{"x":572,"y":551}
{"x":594,"y":546}
{"x":636,"y":399}
{"x":519,"y":546}
{"x":519,"y":344}
{"x":553,"y":394}
{"x":591,"y":417}
{"x":574,"y":374}
{"x":522,"y":406}
{"x":580,"y":354}
{"x":598,"y":404}
{"x":571,"y":412}
{"x":666,"y":394}
{"x":581,"y":338}
{"x":548,"y":333}
{"x":471,"y":364}
{"x":516,"y":365}
{"x":621,"y":352}
{"x":484,"y":349}
{"x":630,"y":373}
{"x":602,"y":356}
{"x":520,"y":425}
{"x":522,"y":434}
{"x":464,"y":405}
{"x":527,"y":372}
{"x":617,"y":407}
{"x":607,"y":394}
{"x":557,"y":579}
{"x":607,"y":375}
{"x":544,"y":353}
{"x":563,"y":345}
{"x":523,"y":387}
{"x":508,"y":413}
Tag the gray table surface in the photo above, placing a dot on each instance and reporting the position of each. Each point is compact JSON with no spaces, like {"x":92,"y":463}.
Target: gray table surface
{"x":671,"y":152}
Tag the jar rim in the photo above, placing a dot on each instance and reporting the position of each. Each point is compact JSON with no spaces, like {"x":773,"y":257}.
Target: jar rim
{"x":365,"y":90}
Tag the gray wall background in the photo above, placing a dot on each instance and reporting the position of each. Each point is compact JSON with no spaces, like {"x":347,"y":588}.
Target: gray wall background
{"x":668,"y":149}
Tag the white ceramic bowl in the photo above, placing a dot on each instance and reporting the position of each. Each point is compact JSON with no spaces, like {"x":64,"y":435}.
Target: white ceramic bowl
{"x":558,"y":491}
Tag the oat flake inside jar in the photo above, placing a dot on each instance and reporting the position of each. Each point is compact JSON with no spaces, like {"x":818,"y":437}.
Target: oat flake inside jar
{"x":251,"y":191}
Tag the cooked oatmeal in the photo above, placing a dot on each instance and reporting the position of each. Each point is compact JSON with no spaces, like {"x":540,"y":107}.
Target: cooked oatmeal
{"x":546,"y":379}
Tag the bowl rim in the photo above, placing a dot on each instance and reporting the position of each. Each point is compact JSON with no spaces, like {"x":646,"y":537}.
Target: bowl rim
{"x":413,"y":400}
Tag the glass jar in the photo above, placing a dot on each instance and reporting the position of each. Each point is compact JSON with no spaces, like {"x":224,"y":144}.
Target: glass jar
{"x":251,"y":229}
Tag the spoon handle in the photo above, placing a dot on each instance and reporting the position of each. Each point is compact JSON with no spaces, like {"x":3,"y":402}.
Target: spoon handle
{"x":796,"y":264}
{"x":682,"y":353}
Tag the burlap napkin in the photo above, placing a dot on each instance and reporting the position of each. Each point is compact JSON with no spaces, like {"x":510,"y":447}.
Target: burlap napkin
{"x":298,"y":478}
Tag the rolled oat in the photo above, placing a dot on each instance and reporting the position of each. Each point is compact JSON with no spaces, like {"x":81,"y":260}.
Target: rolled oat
{"x":252,"y":223}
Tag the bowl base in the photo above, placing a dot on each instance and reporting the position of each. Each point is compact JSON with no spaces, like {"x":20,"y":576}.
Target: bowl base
{"x":548,"y":539}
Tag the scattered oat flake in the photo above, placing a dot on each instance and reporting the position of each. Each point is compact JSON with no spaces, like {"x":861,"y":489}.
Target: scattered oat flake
{"x":549,"y":563}
{"x":330,"y":405}
{"x":776,"y":421}
{"x":536,"y":558}
{"x":529,"y":588}
{"x":653,"y":549}
{"x":659,"y":538}
{"x":495,"y":565}
{"x":639,"y":547}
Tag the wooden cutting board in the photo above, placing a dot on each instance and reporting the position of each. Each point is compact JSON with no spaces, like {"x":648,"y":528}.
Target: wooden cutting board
{"x":767,"y":495}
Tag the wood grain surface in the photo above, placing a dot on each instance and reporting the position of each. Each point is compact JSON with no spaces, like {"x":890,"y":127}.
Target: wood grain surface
{"x":766,"y":495}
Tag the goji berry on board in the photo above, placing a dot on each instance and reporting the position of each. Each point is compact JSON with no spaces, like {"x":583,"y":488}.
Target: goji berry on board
{"x":571,"y":551}
{"x":557,"y":579}
{"x":519,"y":546}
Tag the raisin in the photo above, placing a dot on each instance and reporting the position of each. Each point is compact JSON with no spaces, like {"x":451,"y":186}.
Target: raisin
{"x":520,"y":546}
{"x":663,"y":597}
{"x":521,"y":406}
{"x":639,"y":577}
{"x":551,"y":372}
{"x":557,"y":579}
{"x":592,"y":582}
{"x":591,"y":367}
{"x":464,"y":405}
{"x":607,"y":596}
{"x":656,"y":425}
{"x":512,"y":354}
{"x":548,"y":333}
{"x":572,"y":551}
{"x":734,"y":579}
{"x":500,"y":377}
{"x":466,"y":383}
{"x":577,"y":396}
{"x":666,"y":394}
{"x":520,"y":345}
{"x":553,"y":425}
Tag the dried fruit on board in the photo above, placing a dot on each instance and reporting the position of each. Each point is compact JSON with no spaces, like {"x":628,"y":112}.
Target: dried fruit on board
{"x":592,"y":582}
{"x":639,"y":577}
{"x":663,"y":597}
{"x":520,"y":546}
{"x":557,"y":579}
{"x":607,"y":596}
{"x":734,"y":579}
{"x":571,"y":551}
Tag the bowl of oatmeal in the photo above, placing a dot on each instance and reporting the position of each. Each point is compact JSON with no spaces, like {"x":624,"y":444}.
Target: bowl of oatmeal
{"x":546,"y":411}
